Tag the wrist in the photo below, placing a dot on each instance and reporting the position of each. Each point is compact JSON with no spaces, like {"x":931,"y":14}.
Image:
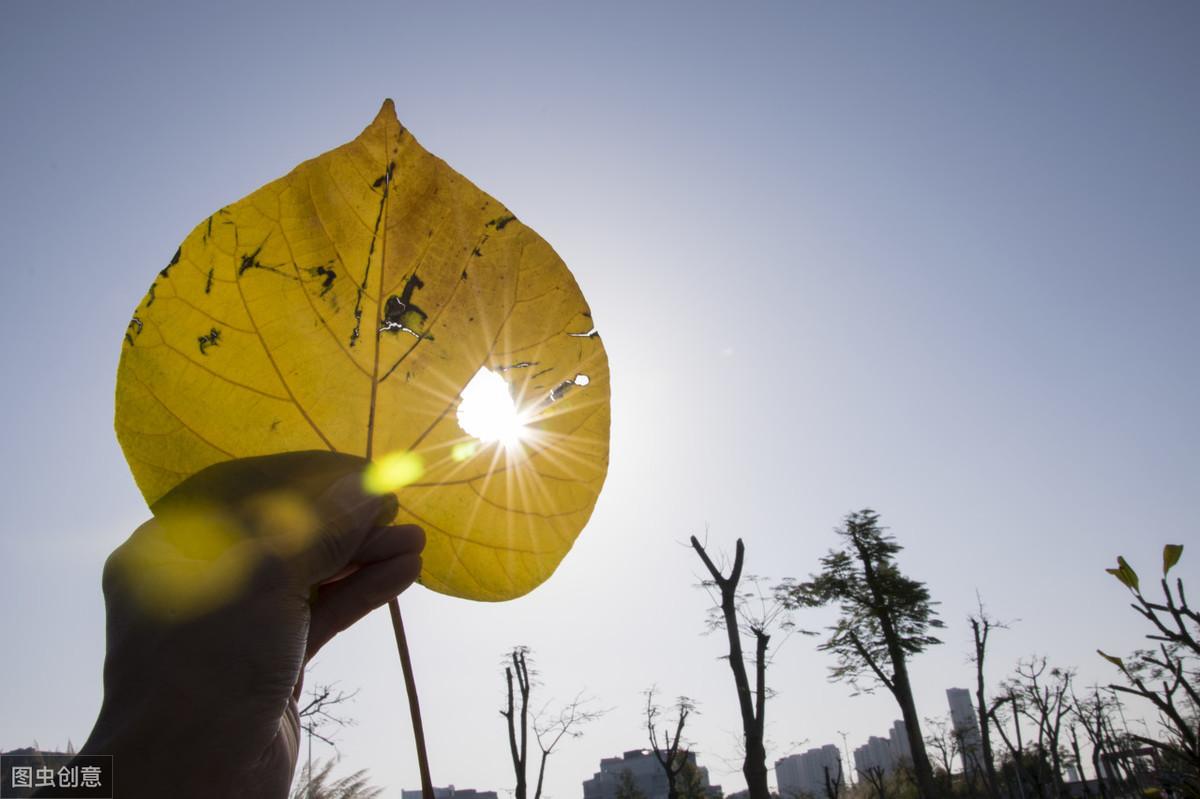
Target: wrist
{"x":155,"y":757}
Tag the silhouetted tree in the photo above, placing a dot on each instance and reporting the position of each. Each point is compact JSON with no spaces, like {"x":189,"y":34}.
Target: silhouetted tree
{"x":549,"y":728}
{"x":690,"y":784}
{"x":981,"y":628}
{"x":321,"y":717}
{"x":885,"y":619}
{"x":669,"y":751}
{"x":516,"y":714}
{"x":1167,"y":676}
{"x":832,"y":781}
{"x":945,"y":746}
{"x":1035,"y":769}
{"x":877,"y":779}
{"x":737,"y":619}
{"x":1046,"y":690}
{"x":1004,"y":707}
{"x":1094,"y":713}
{"x":626,"y":787}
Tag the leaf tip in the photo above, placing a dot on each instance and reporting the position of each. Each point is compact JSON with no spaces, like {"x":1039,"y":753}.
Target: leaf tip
{"x":387,"y":111}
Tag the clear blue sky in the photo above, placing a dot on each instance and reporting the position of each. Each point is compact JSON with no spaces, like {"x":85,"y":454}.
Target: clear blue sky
{"x":939,"y":259}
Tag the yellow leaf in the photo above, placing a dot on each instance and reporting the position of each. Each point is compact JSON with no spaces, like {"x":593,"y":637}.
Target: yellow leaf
{"x":346,"y":306}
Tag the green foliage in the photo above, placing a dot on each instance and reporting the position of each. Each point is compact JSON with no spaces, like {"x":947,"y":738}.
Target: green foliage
{"x":627,"y":788}
{"x":1125,"y":573}
{"x":1168,"y":675}
{"x":877,"y":602}
{"x":690,"y":784}
{"x":321,"y":785}
{"x":1171,"y":555}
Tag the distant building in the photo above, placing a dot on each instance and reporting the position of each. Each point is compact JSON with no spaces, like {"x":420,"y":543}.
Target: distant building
{"x":876,"y":753}
{"x":450,"y":792}
{"x":898,"y":737}
{"x":966,"y":728}
{"x":646,"y":773}
{"x":804,"y":774}
{"x":885,"y":754}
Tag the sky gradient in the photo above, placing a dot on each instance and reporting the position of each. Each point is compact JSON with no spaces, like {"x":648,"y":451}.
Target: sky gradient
{"x":936,"y":259}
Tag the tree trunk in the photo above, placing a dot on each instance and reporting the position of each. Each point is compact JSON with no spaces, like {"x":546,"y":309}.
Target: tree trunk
{"x":1079,"y":761}
{"x":537,"y":794}
{"x":518,"y":745}
{"x":754,"y":766}
{"x":902,"y":690}
{"x":985,"y":733}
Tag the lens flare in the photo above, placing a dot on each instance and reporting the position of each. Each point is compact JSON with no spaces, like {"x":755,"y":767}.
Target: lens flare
{"x":392,"y":472}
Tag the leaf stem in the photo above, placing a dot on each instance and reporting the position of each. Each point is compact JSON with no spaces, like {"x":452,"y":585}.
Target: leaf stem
{"x":414,"y":705}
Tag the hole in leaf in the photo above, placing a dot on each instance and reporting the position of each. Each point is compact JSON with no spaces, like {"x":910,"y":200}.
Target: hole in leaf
{"x":562,"y":388}
{"x":487,"y":411}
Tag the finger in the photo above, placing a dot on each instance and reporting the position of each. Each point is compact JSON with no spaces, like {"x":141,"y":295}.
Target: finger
{"x":348,"y":513}
{"x":391,"y":562}
{"x":341,"y":604}
{"x":382,"y":543}
{"x":228,"y":484}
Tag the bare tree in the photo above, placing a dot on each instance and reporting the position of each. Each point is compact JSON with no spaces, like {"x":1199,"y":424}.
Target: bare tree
{"x":321,"y":717}
{"x":517,"y":715}
{"x":876,"y":777}
{"x":738,"y":620}
{"x":982,"y":626}
{"x":832,"y":781}
{"x":1094,"y":713}
{"x":322,"y":710}
{"x":1010,"y":698}
{"x":550,"y":728}
{"x":1047,"y":691}
{"x":669,"y":750}
{"x":1043,"y":691}
{"x":1073,"y":731}
{"x":944,"y":744}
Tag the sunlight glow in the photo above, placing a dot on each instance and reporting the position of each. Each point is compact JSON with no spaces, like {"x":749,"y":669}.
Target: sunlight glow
{"x":392,"y":472}
{"x":487,"y":410}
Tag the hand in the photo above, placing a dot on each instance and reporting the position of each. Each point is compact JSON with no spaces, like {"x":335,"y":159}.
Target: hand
{"x":215,"y":605}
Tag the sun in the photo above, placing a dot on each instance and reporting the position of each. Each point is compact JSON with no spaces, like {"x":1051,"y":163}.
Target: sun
{"x":487,"y":411}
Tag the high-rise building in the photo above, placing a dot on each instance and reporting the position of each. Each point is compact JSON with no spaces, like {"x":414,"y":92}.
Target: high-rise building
{"x":804,"y":774}
{"x":876,"y":753}
{"x":885,"y":754}
{"x":966,"y":728}
{"x":645,"y":772}
{"x":898,"y":737}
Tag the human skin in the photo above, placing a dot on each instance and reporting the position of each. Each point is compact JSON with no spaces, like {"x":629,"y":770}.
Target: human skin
{"x":215,"y":605}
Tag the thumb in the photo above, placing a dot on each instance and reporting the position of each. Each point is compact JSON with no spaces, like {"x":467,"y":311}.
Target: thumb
{"x":348,"y":512}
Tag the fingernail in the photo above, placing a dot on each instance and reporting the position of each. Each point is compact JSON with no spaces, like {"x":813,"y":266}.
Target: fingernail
{"x":387,"y":513}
